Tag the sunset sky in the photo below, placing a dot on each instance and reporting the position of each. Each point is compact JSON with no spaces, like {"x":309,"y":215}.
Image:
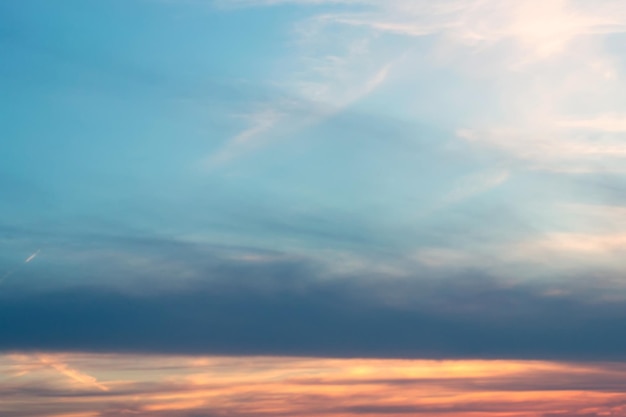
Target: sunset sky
{"x":242,"y":208}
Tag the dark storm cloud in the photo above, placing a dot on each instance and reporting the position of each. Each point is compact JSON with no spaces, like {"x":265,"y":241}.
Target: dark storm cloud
{"x":283,"y":308}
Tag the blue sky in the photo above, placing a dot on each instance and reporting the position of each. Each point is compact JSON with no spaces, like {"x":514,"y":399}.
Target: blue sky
{"x":430,"y":165}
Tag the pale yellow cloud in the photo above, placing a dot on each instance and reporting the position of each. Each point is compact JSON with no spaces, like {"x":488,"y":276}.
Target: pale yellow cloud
{"x":610,"y":122}
{"x":551,"y":257}
{"x":540,"y":28}
{"x":549,"y":149}
{"x":596,"y":247}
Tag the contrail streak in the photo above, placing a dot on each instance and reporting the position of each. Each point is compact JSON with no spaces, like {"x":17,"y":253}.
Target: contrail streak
{"x":14,"y":270}
{"x":31,"y":257}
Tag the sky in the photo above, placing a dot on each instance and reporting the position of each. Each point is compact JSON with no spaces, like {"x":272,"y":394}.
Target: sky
{"x":398,"y":207}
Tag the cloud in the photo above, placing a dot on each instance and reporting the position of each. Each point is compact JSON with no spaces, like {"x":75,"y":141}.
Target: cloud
{"x":476,"y":184}
{"x":550,"y":82}
{"x":551,"y":150}
{"x":541,"y":29}
{"x":560,"y":259}
{"x":611,"y":122}
{"x":289,"y":310}
{"x":322,"y":76}
{"x":71,"y":373}
{"x":317,"y":100}
{"x":154,"y":386}
{"x":262,"y":122}
{"x":518,"y":294}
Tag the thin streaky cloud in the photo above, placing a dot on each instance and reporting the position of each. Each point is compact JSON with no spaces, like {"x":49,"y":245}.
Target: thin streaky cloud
{"x":262,"y":122}
{"x":473,"y":185}
{"x":551,"y":150}
{"x":75,"y":375}
{"x":282,"y":117}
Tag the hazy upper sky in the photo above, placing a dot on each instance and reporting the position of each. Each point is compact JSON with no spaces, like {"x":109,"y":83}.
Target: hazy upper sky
{"x":356,"y":178}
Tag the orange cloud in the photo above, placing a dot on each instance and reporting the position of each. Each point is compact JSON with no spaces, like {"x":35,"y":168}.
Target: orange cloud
{"x":182,"y":387}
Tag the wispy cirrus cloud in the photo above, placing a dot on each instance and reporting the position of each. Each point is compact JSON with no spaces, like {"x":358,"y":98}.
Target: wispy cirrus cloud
{"x":539,"y":28}
{"x":315,"y":102}
{"x":544,"y":59}
{"x":322,"y":79}
{"x":261,"y":123}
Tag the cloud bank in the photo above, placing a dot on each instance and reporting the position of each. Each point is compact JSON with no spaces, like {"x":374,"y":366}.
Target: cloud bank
{"x":277,"y":307}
